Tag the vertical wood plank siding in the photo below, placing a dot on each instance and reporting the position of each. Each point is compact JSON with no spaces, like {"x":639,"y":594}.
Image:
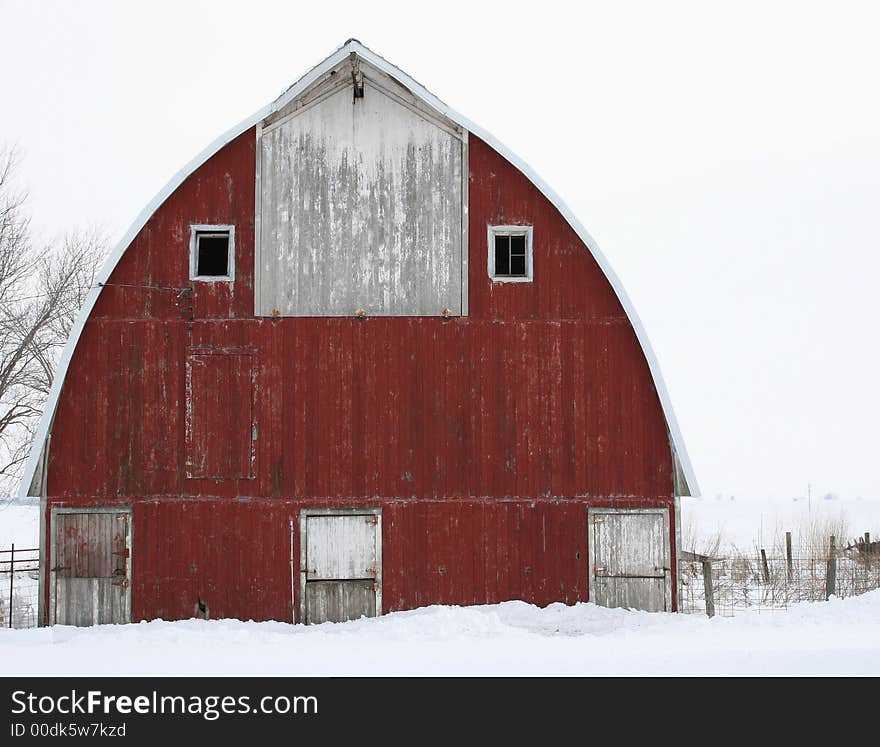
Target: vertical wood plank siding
{"x":482,"y":438}
{"x":360,"y":209}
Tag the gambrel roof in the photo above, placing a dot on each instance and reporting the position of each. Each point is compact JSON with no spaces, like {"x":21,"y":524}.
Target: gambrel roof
{"x":685,"y":478}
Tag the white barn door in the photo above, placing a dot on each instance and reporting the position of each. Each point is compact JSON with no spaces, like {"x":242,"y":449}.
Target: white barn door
{"x":340,"y":565}
{"x":630,"y":555}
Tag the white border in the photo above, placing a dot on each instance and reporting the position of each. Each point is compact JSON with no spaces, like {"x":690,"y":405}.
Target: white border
{"x":491,"y":233}
{"x":194,"y":231}
{"x":691,"y":487}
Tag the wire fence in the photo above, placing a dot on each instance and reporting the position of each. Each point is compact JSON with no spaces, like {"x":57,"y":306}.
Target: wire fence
{"x":766,"y":584}
{"x":19,"y":587}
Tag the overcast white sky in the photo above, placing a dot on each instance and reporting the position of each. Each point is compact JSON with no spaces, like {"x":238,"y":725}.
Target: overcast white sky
{"x":724,"y":155}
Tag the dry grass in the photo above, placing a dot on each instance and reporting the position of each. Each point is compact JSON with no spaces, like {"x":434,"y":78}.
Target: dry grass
{"x":702,"y":544}
{"x":811,"y":538}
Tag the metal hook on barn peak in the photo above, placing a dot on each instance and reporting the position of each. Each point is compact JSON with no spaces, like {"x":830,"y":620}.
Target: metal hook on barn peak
{"x":357,"y":77}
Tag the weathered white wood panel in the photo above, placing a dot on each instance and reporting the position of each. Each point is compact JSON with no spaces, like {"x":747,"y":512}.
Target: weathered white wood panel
{"x":647,"y":594}
{"x":338,"y":601}
{"x":632,"y":544}
{"x":341,"y":547}
{"x":630,"y":558}
{"x":91,"y":568}
{"x":92,"y":601}
{"x":360,"y":206}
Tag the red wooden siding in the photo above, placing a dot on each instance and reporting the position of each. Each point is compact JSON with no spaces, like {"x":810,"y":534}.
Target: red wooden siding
{"x":387,"y":407}
{"x":434,"y":552}
{"x":219,"y":400}
{"x":568,"y":283}
{"x":483,"y":438}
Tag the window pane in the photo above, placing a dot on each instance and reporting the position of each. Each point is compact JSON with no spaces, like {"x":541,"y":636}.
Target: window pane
{"x":518,"y":246}
{"x":518,"y":265}
{"x":502,"y":255}
{"x":213,"y":256}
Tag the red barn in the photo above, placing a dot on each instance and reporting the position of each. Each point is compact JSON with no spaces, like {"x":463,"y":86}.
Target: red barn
{"x":355,"y":358}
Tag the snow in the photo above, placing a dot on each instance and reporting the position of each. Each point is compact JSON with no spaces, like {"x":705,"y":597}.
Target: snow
{"x":839,"y":637}
{"x":19,"y":523}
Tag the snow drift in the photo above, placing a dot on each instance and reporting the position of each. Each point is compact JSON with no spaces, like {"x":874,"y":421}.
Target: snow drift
{"x":839,"y":637}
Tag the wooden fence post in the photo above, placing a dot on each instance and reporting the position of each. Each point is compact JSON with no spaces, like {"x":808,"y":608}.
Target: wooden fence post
{"x":831,"y":572}
{"x":788,"y":554}
{"x":764,"y":567}
{"x":11,"y":580}
{"x":708,"y":592}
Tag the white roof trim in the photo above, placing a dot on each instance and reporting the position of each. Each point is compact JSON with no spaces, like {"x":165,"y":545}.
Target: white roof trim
{"x":295,"y":90}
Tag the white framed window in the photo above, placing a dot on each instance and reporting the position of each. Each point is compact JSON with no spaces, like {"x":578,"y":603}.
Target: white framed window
{"x":510,"y":254}
{"x":212,"y":253}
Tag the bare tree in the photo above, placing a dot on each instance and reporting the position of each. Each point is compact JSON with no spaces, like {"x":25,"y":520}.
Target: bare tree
{"x":41,"y":291}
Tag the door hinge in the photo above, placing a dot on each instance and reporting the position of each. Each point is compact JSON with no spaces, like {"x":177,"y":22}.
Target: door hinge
{"x":375,"y":586}
{"x":372,"y":520}
{"x":597,"y":569}
{"x":123,"y":582}
{"x":598,"y":520}
{"x":372,"y":570}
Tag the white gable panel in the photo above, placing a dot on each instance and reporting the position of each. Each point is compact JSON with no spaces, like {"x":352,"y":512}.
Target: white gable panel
{"x":360,"y":208}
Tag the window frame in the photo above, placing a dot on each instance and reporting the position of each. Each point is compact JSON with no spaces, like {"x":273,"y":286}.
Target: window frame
{"x":520,"y":230}
{"x":197,"y":230}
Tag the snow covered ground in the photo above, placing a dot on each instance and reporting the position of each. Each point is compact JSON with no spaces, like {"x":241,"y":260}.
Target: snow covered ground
{"x":839,"y":637}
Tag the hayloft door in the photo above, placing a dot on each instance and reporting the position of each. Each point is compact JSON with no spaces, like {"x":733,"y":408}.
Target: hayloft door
{"x":630,"y":558}
{"x":340,"y":564}
{"x":90,"y":582}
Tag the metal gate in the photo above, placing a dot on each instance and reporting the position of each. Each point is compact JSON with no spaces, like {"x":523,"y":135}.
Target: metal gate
{"x":340,"y":564}
{"x":90,"y":566}
{"x":630,"y":558}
